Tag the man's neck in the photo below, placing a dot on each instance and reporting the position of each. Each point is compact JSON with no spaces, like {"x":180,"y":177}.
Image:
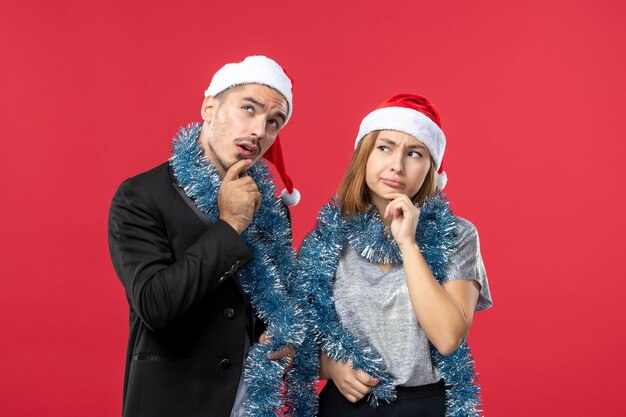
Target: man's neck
{"x":209,"y":154}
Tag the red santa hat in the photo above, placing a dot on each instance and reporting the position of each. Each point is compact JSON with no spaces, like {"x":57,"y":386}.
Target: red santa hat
{"x":416,"y":116}
{"x":262,"y":70}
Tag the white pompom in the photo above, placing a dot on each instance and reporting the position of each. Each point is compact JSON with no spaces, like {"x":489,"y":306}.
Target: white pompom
{"x":290,"y":199}
{"x":441,"y":180}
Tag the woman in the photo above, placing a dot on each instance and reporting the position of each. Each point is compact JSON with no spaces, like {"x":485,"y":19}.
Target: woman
{"x":392,"y":278}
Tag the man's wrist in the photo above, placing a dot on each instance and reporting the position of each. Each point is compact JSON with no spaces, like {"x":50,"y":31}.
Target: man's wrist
{"x":232,"y":223}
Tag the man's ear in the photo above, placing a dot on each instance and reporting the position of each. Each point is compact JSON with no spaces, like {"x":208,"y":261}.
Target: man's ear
{"x":209,"y":106}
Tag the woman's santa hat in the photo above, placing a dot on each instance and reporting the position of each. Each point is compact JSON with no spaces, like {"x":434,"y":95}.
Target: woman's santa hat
{"x":416,"y":116}
{"x":265,"y":71}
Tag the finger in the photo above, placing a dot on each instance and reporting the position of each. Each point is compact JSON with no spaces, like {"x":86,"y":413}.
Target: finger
{"x":236,"y":169}
{"x":350,"y":393}
{"x":288,"y":353}
{"x":392,"y":196}
{"x":392,"y":209}
{"x":366,"y":379}
{"x":395,"y":202}
{"x":396,"y":211}
{"x":265,"y":338}
{"x":406,"y":209}
{"x":389,"y":210}
{"x":292,"y":353}
{"x":257,"y":202}
{"x":245,"y":180}
{"x":278,"y":354}
{"x":359,"y":390}
{"x":404,"y":206}
{"x":359,"y":395}
{"x":351,"y":398}
{"x":247,"y":186}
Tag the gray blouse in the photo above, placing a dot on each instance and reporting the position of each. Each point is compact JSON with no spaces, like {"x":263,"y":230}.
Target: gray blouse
{"x":376,"y":307}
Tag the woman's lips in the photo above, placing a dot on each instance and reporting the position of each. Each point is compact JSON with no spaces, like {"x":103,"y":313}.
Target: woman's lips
{"x":392,"y":183}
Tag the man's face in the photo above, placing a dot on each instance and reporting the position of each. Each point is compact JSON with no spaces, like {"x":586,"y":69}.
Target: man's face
{"x":241,"y":124}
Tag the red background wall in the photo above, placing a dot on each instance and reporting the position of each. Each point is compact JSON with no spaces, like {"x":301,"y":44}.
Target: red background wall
{"x":531,"y":95}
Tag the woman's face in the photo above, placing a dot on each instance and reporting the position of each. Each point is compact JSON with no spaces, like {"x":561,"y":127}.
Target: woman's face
{"x":398,"y":164}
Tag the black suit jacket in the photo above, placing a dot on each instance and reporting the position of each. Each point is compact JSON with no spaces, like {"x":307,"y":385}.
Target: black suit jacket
{"x":188,"y":315}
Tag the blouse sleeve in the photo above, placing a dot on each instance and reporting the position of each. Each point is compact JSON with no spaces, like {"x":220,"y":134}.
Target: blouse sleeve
{"x":467,"y":263}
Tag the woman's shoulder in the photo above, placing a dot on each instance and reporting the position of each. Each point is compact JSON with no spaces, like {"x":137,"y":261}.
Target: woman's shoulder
{"x":465,"y":230}
{"x":464,"y":226}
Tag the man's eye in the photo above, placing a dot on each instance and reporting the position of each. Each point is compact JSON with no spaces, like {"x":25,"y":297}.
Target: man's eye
{"x":273,"y":123}
{"x":247,"y":107}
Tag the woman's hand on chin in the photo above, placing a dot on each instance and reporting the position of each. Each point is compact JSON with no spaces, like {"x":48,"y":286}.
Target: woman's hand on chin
{"x":403,"y":216}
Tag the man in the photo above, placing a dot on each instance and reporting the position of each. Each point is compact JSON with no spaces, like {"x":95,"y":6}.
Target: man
{"x":188,"y":236}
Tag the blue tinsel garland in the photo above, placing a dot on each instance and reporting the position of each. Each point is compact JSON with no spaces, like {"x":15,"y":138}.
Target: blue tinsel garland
{"x":269,"y":238}
{"x":318,"y":259}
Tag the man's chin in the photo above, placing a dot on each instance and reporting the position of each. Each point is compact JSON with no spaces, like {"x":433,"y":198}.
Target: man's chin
{"x":228,"y":165}
{"x":243,"y":158}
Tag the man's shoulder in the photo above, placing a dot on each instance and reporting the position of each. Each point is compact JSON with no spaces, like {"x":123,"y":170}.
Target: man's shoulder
{"x":146,"y":180}
{"x":156,"y":174}
{"x":148,"y":184}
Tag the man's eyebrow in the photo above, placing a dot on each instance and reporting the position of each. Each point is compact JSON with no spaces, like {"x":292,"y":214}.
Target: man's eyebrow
{"x":255,"y":101}
{"x":279,"y":113}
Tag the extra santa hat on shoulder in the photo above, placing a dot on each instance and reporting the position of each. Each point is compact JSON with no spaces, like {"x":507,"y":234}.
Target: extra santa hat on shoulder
{"x":414,"y":115}
{"x":262,"y":70}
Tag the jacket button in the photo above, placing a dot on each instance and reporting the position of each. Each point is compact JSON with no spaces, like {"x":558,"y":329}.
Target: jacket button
{"x":225,"y":363}
{"x":229,"y":312}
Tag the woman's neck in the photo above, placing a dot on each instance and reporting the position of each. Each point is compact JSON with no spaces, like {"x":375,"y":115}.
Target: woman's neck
{"x":381,"y":204}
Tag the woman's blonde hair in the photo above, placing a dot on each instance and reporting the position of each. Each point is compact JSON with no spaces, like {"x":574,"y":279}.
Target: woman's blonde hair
{"x":353,"y":194}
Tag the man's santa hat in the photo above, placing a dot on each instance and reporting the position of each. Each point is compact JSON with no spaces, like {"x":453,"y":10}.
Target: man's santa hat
{"x":265,"y":71}
{"x":416,"y":116}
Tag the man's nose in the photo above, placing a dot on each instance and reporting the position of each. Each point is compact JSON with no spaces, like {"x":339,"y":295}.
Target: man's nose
{"x":258,"y":127}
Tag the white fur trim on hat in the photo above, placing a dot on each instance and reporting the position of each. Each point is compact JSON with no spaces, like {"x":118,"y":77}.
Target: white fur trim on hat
{"x":290,"y":199}
{"x":256,"y":69}
{"x":408,"y":121}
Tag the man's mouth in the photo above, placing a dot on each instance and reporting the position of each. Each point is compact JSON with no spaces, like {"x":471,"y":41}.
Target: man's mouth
{"x":247,"y":150}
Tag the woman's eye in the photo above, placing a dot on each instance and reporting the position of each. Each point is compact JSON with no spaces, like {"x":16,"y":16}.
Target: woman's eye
{"x":415,"y":154}
{"x":384,"y":148}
